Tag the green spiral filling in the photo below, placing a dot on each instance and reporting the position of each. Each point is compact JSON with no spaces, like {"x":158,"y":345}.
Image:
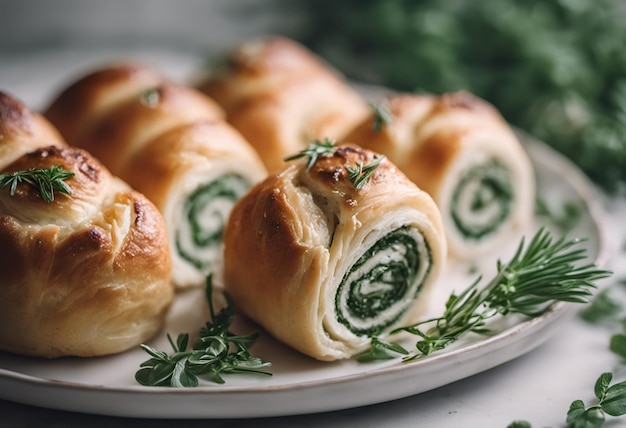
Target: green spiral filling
{"x":199,"y":235}
{"x":383,"y":283}
{"x":482,"y":200}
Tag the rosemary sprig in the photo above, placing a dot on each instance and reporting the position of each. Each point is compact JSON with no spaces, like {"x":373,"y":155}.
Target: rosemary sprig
{"x":313,"y":152}
{"x":46,"y":180}
{"x":382,"y":116}
{"x":216,"y":351}
{"x":538,"y":275}
{"x":361,"y":173}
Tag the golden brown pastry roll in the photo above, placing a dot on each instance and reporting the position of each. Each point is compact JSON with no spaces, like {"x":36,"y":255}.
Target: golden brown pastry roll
{"x":85,"y":274}
{"x":459,"y":149}
{"x":22,"y":130}
{"x":281,"y":96}
{"x":323,"y":265}
{"x":170,"y":143}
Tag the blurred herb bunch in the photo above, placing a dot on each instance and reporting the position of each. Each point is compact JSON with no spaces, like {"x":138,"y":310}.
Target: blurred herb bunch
{"x":555,"y":68}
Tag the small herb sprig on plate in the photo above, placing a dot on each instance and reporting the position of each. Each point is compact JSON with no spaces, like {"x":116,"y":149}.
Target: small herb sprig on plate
{"x":46,"y":180}
{"x":564,"y":218}
{"x":538,"y":275}
{"x":216,"y":351}
{"x":313,"y":152}
{"x":361,"y":173}
{"x":611,"y":401}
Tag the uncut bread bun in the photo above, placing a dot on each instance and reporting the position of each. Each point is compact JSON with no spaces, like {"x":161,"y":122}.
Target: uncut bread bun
{"x":459,"y":149}
{"x":85,"y":274}
{"x":169,"y":142}
{"x":281,"y":97}
{"x":322,"y":265}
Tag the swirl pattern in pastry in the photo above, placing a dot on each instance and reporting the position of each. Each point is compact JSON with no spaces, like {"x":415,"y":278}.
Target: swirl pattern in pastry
{"x":322,"y":265}
{"x":460,"y":150}
{"x":169,"y":142}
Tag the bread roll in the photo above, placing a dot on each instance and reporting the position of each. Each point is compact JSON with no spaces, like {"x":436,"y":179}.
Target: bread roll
{"x":323,"y":266}
{"x":459,"y":149}
{"x":86,"y":274}
{"x":281,"y":97}
{"x":22,"y":131}
{"x":169,"y":142}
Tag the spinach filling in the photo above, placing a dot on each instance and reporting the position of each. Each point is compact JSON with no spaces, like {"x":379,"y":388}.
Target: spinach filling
{"x":482,"y":200}
{"x":382,"y":284}
{"x":205,"y":213}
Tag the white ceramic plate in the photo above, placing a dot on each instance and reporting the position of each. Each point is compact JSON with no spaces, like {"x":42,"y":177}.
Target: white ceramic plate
{"x":299,"y":384}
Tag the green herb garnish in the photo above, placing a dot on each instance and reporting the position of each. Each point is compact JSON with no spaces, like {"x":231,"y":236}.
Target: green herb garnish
{"x":604,"y":306}
{"x":361,"y":173}
{"x":150,"y":97}
{"x":216,"y":351}
{"x":46,"y":180}
{"x":519,"y":424}
{"x":611,"y":401}
{"x":313,"y":152}
{"x":538,"y":275}
{"x":382,"y":116}
{"x":565,"y":219}
{"x":563,"y":62}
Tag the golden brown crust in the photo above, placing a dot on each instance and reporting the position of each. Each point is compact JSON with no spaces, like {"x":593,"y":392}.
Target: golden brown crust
{"x":21,"y":130}
{"x":291,"y":239}
{"x":432,"y":138}
{"x":173,"y":154}
{"x":281,"y":97}
{"x":167,"y":141}
{"x":85,"y":274}
{"x":257,"y":67}
{"x":78,"y":107}
{"x":88,"y":281}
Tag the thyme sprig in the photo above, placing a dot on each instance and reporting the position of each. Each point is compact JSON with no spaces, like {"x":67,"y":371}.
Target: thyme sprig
{"x":361,"y":173}
{"x":537,"y":275}
{"x":45,"y":180}
{"x":216,"y":351}
{"x":314,"y":151}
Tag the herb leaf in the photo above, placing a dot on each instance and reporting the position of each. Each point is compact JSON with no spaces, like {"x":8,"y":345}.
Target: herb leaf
{"x":361,"y":173}
{"x":216,"y":351}
{"x":313,"y":151}
{"x":382,"y":116}
{"x":46,"y":180}
{"x":611,"y":401}
{"x":537,"y":275}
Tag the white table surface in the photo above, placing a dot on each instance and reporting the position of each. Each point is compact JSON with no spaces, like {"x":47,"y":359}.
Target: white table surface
{"x":537,"y":387}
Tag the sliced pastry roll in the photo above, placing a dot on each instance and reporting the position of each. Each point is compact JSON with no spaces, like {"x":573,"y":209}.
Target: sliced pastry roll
{"x":85,"y":267}
{"x":281,"y":96}
{"x":169,"y":142}
{"x":460,"y":150}
{"x":333,"y":250}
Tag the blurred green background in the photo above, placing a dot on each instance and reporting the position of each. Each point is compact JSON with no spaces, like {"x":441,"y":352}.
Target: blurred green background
{"x":555,"y":68}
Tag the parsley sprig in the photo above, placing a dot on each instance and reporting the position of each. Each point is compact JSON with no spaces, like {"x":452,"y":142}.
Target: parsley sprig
{"x":314,"y":151}
{"x":611,"y":401}
{"x":216,"y":351}
{"x":46,"y":180}
{"x":538,"y":275}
